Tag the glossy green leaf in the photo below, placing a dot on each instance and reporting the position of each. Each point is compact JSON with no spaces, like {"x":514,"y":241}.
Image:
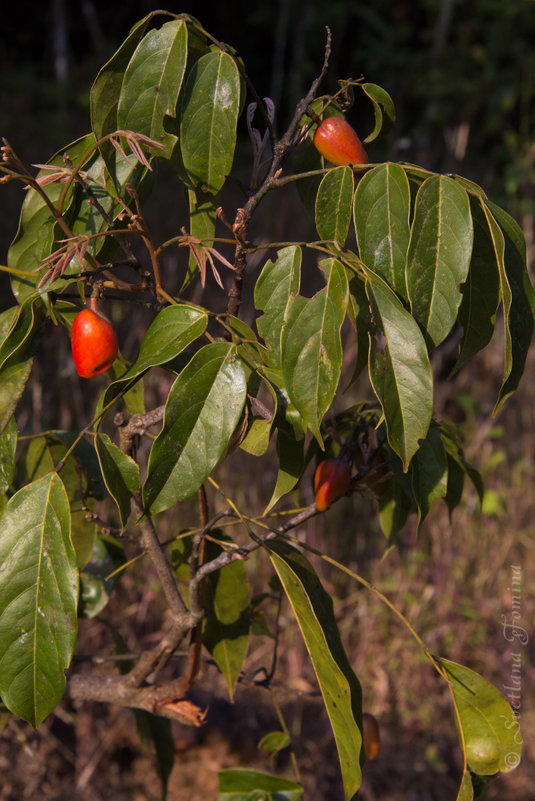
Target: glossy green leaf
{"x":381,"y":215}
{"x":120,"y":472}
{"x":24,"y":327}
{"x":152,"y":83}
{"x":170,"y":333}
{"x":333,"y":204}
{"x":38,"y":597}
{"x":429,"y":471}
{"x":291,"y":455}
{"x":340,"y":688}
{"x":201,"y":413}
{"x":439,"y":254}
{"x":311,"y":348}
{"x":383,"y":109}
{"x":99,"y":576}
{"x":359,"y":313}
{"x":227,"y":622}
{"x":481,"y":292}
{"x":106,"y":89}
{"x":209,"y":118}
{"x":276,"y":283}
{"x":244,"y":784}
{"x":517,"y":298}
{"x":490,"y":729}
{"x":400,"y":371}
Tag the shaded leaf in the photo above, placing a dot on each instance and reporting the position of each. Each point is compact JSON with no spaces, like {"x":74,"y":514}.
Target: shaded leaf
{"x":227,"y":622}
{"x":202,"y":217}
{"x":400,"y":371}
{"x":209,"y":118}
{"x":244,"y":784}
{"x":381,"y":215}
{"x":201,"y":413}
{"x":333,"y":204}
{"x":38,"y":597}
{"x":383,"y":109}
{"x":14,"y":377}
{"x":291,"y":455}
{"x":439,"y":254}
{"x":481,"y":292}
{"x":274,"y":741}
{"x":99,"y":576}
{"x":8,"y":446}
{"x":339,"y":686}
{"x":156,"y":731}
{"x":429,"y":471}
{"x":120,"y":472}
{"x":517,"y":298}
{"x":490,"y":729}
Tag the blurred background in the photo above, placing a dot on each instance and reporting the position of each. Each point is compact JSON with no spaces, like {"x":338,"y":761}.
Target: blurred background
{"x":462,"y":77}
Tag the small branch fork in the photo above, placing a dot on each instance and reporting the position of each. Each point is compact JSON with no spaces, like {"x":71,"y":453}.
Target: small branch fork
{"x":136,"y":688}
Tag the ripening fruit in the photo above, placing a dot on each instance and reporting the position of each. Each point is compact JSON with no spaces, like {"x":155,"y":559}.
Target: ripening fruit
{"x":337,"y":142}
{"x":370,"y":736}
{"x":331,"y":480}
{"x":94,"y":343}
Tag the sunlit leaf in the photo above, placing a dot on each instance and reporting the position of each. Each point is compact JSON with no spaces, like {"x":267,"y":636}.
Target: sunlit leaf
{"x":381,"y":215}
{"x":276,"y":283}
{"x":333,"y":204}
{"x":201,"y":413}
{"x":340,"y":688}
{"x":439,"y":254}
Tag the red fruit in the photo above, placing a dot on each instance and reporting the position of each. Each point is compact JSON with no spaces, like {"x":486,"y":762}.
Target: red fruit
{"x":94,"y":343}
{"x":371,"y":737}
{"x":331,"y":480}
{"x":337,"y":142}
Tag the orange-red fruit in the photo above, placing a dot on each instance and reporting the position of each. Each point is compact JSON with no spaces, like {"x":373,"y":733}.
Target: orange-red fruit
{"x":94,"y":343}
{"x":337,"y":142}
{"x":371,"y":737}
{"x":331,"y":480}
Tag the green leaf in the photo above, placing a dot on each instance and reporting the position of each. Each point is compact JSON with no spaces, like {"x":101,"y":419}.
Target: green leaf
{"x":227,"y":622}
{"x":99,"y":576}
{"x":8,"y":445}
{"x":490,"y":729}
{"x":311,"y":348}
{"x":383,"y":107}
{"x":359,"y":313}
{"x":170,"y":333}
{"x":481,"y":292}
{"x":333,"y":204}
{"x":439,"y":254}
{"x":244,"y":784}
{"x":201,"y":413}
{"x":400,"y":371}
{"x":24,"y":327}
{"x":154,"y":730}
{"x":430,"y":471}
{"x":381,"y":215}
{"x":209,"y":118}
{"x":152,"y":83}
{"x":276,"y":283}
{"x":339,"y":686}
{"x":517,"y":298}
{"x":291,"y":455}
{"x":80,"y":476}
{"x":38,"y":597}
{"x":14,"y":378}
{"x":274,"y":741}
{"x":466,"y":790}
{"x":120,"y":472}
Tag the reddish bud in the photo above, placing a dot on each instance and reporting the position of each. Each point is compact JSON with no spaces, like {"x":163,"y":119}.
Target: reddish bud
{"x":338,"y":143}
{"x":94,"y":343}
{"x":371,"y":737}
{"x":331,"y":481}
